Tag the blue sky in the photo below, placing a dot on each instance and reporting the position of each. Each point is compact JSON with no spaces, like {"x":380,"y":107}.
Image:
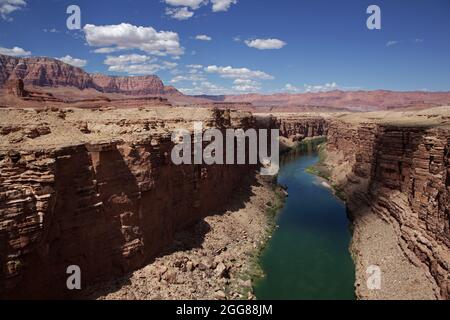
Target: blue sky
{"x":239,"y":46}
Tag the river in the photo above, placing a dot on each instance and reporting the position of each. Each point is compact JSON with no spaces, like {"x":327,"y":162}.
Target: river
{"x":308,"y":256}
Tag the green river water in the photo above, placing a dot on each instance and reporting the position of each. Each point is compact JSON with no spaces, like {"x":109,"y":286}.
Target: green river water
{"x":308,"y":256}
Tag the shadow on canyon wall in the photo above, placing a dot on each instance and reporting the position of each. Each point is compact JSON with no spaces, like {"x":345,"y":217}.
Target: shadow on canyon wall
{"x":111,"y":210}
{"x":192,"y":237}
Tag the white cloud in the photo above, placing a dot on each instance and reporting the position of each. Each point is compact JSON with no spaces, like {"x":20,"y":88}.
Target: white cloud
{"x":80,"y":63}
{"x":265,"y":44}
{"x":169,"y":65}
{"x":107,"y":50}
{"x":222,"y":5}
{"x":193,"y":4}
{"x":127,"y":59}
{"x":125,"y":36}
{"x":245,"y":81}
{"x":191,"y":77}
{"x":194,"y":66}
{"x":246,"y":85}
{"x":179,"y":13}
{"x":16,"y":51}
{"x":291,"y":88}
{"x":238,"y":73}
{"x":391,"y":43}
{"x":135,"y":64}
{"x":321,"y":88}
{"x":203,"y":37}
{"x":9,"y":6}
{"x":206,"y":87}
{"x":246,"y":88}
{"x":184,"y":8}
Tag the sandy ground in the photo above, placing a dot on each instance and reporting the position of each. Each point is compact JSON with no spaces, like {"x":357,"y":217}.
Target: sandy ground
{"x":375,"y":244}
{"x":218,"y":265}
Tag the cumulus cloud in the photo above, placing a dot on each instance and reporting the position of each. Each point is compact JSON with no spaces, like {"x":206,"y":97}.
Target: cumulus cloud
{"x":126,"y":59}
{"x":246,"y":85}
{"x":16,"y":51}
{"x":238,"y":73}
{"x":137,"y":69}
{"x":222,"y":5}
{"x":135,"y":64}
{"x":107,"y":50}
{"x":245,"y":82}
{"x":321,"y":88}
{"x":291,"y":88}
{"x":9,"y":6}
{"x":203,"y":37}
{"x":80,"y":63}
{"x":194,"y":66}
{"x":265,"y":44}
{"x":193,"y":4}
{"x":125,"y":36}
{"x":179,"y":13}
{"x":206,"y":87}
{"x":184,"y":9}
{"x":191,"y":78}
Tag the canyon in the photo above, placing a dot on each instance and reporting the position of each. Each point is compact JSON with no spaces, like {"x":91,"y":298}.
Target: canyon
{"x":95,"y":188}
{"x":98,"y":190}
{"x":86,"y":179}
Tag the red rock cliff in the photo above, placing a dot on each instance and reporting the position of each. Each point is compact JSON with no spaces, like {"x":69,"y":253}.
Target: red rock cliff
{"x":107,"y":207}
{"x":402,"y":173}
{"x":48,"y":72}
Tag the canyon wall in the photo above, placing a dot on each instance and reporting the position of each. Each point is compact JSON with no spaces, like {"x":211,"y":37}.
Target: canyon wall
{"x":107,"y":207}
{"x":298,"y":127}
{"x":400,"y":172}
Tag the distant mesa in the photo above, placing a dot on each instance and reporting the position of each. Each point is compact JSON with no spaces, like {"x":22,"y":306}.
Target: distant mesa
{"x":58,"y":78}
{"x":48,"y":72}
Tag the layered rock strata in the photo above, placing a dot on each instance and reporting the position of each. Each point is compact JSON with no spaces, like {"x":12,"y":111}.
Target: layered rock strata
{"x":48,"y":72}
{"x":108,"y":204}
{"x":399,"y":171}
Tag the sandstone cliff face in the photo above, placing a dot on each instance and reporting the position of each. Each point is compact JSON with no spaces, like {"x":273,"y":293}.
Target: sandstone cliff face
{"x":43,"y":72}
{"x":47,"y":72}
{"x":144,"y":85}
{"x":298,"y":128}
{"x":108,"y":207}
{"x":401,"y":173}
